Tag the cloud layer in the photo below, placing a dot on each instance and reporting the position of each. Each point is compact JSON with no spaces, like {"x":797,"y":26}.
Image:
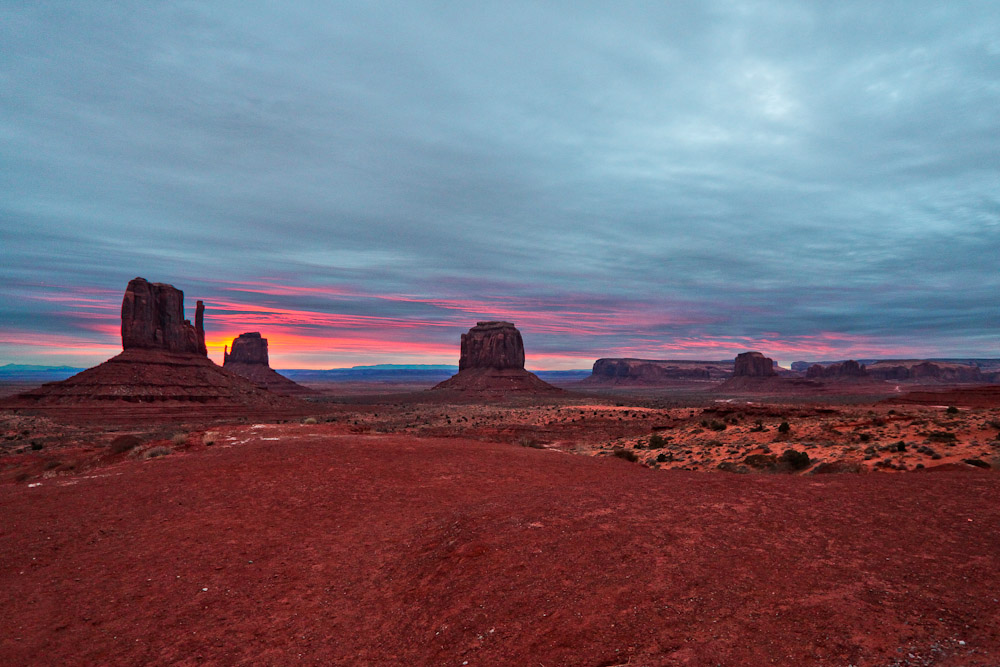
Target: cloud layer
{"x":361,"y":185}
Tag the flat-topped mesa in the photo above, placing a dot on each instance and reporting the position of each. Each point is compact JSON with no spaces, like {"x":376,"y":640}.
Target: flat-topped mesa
{"x":153,"y":319}
{"x":492,"y":345}
{"x":753,"y":364}
{"x":492,"y":362}
{"x":844,"y":369}
{"x":248,"y":348}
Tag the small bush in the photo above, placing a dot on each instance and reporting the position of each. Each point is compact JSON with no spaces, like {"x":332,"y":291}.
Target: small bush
{"x":656,"y":441}
{"x":154,"y":452}
{"x":952,"y":410}
{"x":179,"y":438}
{"x":784,"y":428}
{"x":210,"y":438}
{"x":795,"y":460}
{"x":528,"y":441}
{"x":900,"y":446}
{"x":716,"y":425}
{"x":626,"y":454}
{"x":124,"y":443}
{"x":36,"y":446}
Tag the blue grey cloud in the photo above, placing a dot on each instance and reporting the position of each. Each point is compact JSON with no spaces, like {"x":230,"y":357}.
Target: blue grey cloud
{"x":774,"y":169}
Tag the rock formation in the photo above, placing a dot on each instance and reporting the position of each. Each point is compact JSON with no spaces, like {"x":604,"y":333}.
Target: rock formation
{"x":162,"y":369}
{"x":153,"y":319}
{"x":492,"y":345}
{"x":248,"y":348}
{"x":654,"y":371}
{"x":248,"y":359}
{"x":925,"y":371}
{"x":753,"y":364}
{"x":842,"y":370}
{"x":492,"y":361}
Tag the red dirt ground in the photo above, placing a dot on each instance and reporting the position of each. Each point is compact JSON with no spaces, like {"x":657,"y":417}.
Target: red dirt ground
{"x":295,"y":543}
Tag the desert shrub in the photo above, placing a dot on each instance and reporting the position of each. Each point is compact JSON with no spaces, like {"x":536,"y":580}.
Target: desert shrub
{"x":941,"y":436}
{"x":758,"y":427}
{"x":952,"y":410}
{"x":656,"y":441}
{"x":154,"y":452}
{"x":717,"y":425}
{"x":124,"y":443}
{"x":661,"y":458}
{"x":784,"y":428}
{"x":312,"y":420}
{"x":864,"y":437}
{"x":179,"y":438}
{"x":900,"y":446}
{"x":210,"y":438}
{"x":528,"y":441}
{"x":626,"y":454}
{"x":796,"y":460}
{"x":36,"y":446}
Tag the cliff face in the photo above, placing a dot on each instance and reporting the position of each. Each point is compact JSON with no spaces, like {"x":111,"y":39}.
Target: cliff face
{"x":753,"y":364}
{"x":654,"y":371}
{"x":153,"y":319}
{"x":846,"y":369}
{"x":496,"y":345}
{"x":934,"y":371}
{"x":248,"y":348}
{"x":492,"y":362}
{"x":248,"y":358}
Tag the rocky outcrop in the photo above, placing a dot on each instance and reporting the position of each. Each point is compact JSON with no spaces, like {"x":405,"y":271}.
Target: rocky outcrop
{"x":492,"y":362}
{"x":248,"y":359}
{"x":753,"y":364}
{"x":492,"y":345}
{"x":925,"y":371}
{"x":248,"y":348}
{"x":654,"y":371}
{"x":163,"y":367}
{"x":153,"y":319}
{"x":844,"y":370}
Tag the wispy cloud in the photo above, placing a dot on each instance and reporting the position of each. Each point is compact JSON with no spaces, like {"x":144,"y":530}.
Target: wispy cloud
{"x":677,"y":178}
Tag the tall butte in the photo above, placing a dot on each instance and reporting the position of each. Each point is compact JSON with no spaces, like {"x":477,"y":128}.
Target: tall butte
{"x":492,"y":361}
{"x":164,"y":364}
{"x":249,"y":359}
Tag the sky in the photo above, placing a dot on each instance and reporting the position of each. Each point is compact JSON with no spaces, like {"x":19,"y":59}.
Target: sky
{"x":362,"y":182}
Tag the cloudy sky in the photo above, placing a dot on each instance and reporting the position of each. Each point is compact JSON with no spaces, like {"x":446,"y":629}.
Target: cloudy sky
{"x":363,"y":181}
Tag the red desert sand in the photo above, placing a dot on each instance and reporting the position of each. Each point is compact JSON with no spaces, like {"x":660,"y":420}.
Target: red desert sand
{"x":295,"y":543}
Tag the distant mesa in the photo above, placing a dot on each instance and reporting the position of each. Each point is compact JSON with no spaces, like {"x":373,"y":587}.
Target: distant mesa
{"x":753,"y":365}
{"x":753,"y":372}
{"x":842,"y":370}
{"x":248,"y":348}
{"x":627,"y":371}
{"x":248,"y":359}
{"x":492,"y":361}
{"x":926,"y":371}
{"x":164,"y":362}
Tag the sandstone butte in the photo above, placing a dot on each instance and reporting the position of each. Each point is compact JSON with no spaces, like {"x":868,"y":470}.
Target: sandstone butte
{"x":248,"y":358}
{"x":492,"y":361}
{"x":163,"y":364}
{"x":627,"y":371}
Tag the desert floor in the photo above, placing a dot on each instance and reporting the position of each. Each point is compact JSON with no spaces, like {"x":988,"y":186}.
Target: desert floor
{"x":416,"y":528}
